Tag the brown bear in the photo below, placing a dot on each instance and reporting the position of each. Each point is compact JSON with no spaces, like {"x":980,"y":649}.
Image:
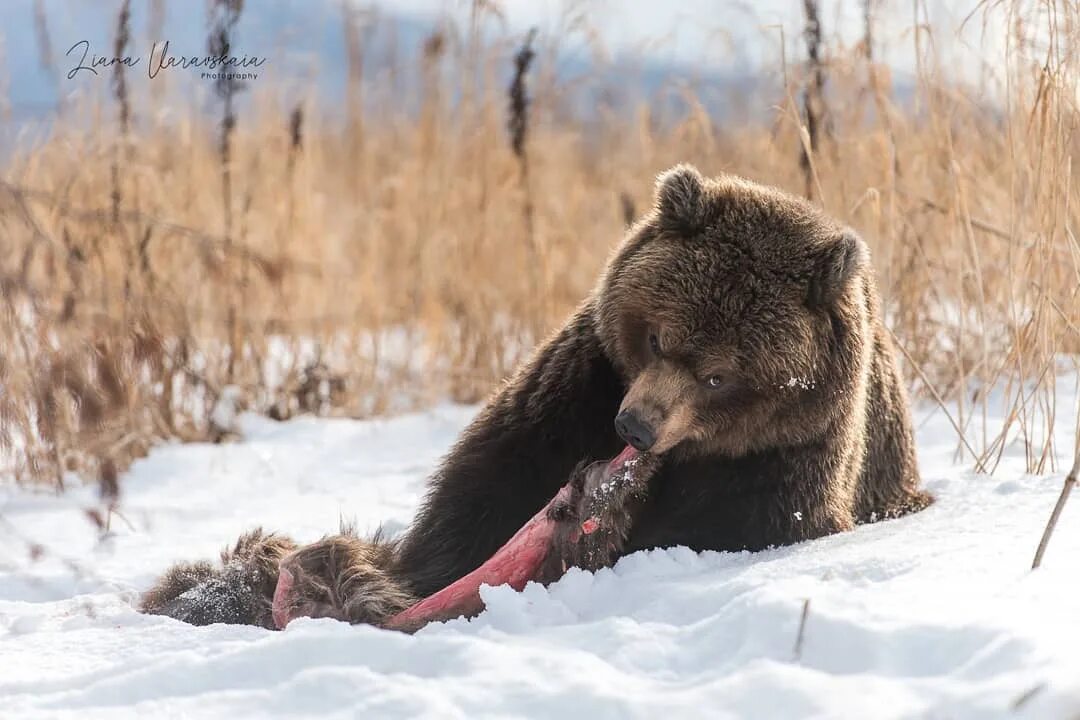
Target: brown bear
{"x":736,"y":334}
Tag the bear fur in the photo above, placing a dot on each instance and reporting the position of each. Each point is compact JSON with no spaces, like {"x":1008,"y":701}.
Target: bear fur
{"x":744,"y":326}
{"x":736,"y":333}
{"x":237,"y":591}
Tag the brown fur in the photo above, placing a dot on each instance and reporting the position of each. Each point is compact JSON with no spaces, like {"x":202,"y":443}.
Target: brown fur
{"x":808,"y":429}
{"x":347,"y":578}
{"x":353,"y":580}
{"x":237,"y":592}
{"x":807,"y":433}
{"x":611,"y":501}
{"x":804,"y":429}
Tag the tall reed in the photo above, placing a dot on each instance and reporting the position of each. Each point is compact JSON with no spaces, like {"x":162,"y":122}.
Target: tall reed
{"x":417,"y":250}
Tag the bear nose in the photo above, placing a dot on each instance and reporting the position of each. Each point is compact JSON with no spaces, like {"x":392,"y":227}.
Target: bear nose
{"x":634,"y":430}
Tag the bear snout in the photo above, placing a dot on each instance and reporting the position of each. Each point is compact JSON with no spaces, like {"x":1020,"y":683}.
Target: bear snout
{"x":634,"y":430}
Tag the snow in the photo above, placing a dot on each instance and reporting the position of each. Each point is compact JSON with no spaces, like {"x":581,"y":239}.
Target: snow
{"x":931,"y":616}
{"x":223,"y":416}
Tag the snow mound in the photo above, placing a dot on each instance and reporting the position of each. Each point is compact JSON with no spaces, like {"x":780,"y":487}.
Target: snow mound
{"x":931,"y":616}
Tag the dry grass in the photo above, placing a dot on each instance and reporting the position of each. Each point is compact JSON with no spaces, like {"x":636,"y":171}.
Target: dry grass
{"x":415,"y":253}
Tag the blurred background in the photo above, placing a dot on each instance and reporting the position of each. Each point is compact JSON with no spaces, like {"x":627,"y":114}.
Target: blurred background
{"x":402,"y":198}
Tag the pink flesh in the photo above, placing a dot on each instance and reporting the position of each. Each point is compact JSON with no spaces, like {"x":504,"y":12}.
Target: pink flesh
{"x":628,"y":453}
{"x":280,"y":608}
{"x":514,"y":564}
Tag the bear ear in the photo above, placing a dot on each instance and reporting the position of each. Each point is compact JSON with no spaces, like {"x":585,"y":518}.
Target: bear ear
{"x":679,"y":198}
{"x":834,"y":267}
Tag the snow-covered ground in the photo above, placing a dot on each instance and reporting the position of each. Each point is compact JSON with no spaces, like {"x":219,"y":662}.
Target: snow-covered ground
{"x":933,"y":616}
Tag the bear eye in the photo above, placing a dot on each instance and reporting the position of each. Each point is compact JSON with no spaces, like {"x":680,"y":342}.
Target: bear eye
{"x":715,"y":381}
{"x":654,"y":343}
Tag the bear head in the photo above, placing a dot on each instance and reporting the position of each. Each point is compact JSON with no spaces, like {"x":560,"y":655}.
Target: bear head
{"x":737,"y":316}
